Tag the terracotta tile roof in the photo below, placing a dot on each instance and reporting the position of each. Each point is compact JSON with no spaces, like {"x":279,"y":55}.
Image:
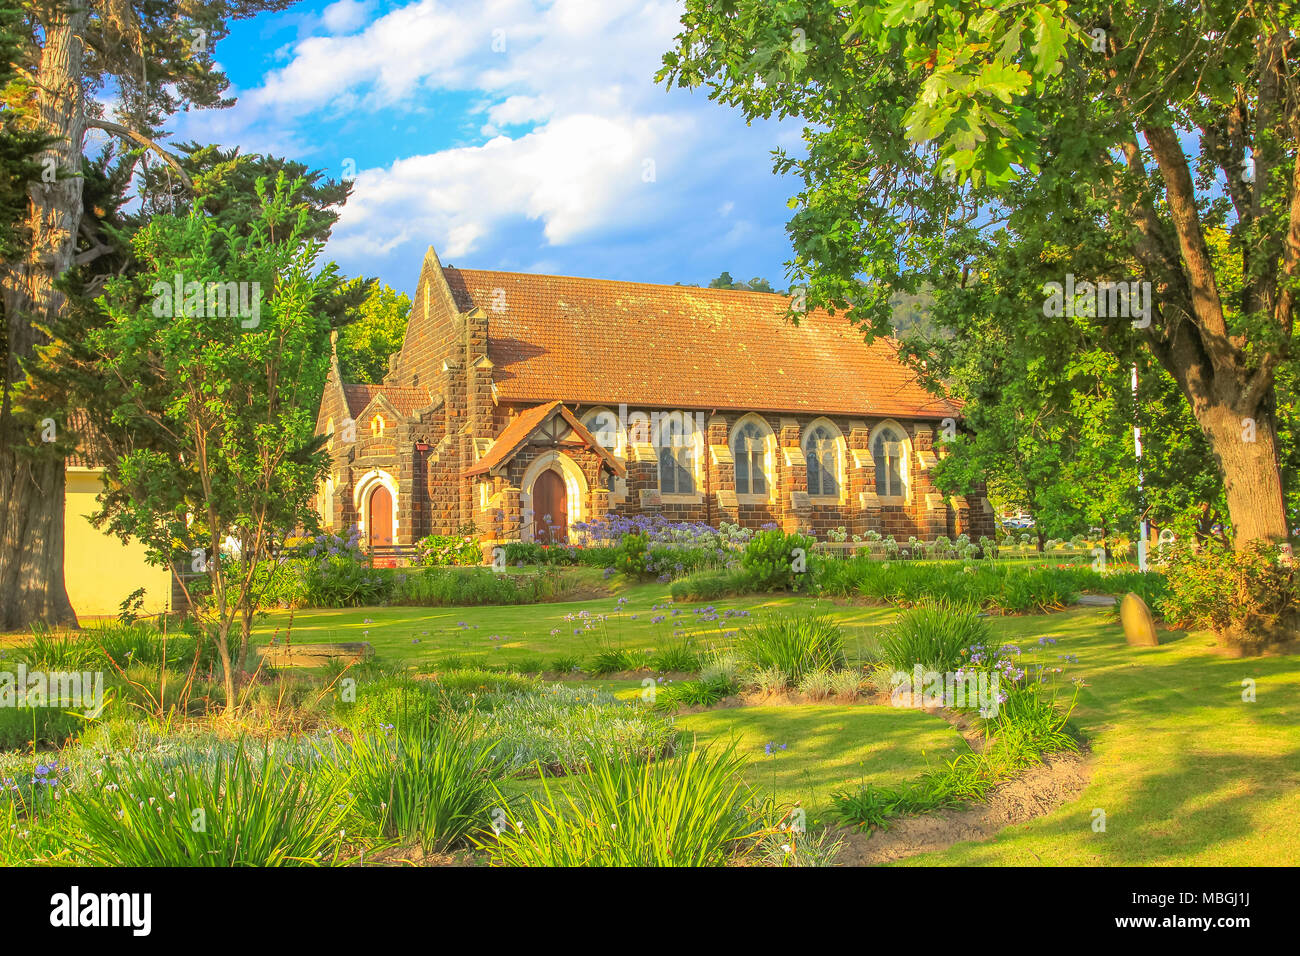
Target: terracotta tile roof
{"x":599,"y":341}
{"x":516,"y":433}
{"x":405,"y":399}
{"x":92,"y":449}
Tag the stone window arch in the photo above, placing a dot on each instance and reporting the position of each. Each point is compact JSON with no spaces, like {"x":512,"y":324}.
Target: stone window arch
{"x":606,"y":429}
{"x":824,"y":451}
{"x":753,"y":449}
{"x":890,"y":452}
{"x":679,"y":443}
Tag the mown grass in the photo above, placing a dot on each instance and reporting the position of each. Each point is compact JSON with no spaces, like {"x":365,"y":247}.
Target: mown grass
{"x":816,"y":748}
{"x":1186,"y":771}
{"x":511,"y":635}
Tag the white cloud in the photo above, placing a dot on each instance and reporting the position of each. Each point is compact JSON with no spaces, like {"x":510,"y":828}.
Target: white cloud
{"x":578,"y":72}
{"x":520,"y":109}
{"x":346,"y":15}
{"x":574,"y":175}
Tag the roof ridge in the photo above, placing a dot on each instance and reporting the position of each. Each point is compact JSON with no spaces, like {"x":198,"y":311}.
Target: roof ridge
{"x":651,"y":285}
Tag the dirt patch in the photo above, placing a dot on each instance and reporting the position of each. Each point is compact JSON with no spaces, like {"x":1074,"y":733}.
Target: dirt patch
{"x":414,"y":856}
{"x":1035,"y":793}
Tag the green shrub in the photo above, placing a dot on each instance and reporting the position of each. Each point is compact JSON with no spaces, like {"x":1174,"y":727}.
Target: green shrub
{"x":436,"y":550}
{"x":208,"y":808}
{"x":711,"y":585}
{"x":611,"y":660}
{"x":479,"y":681}
{"x":431,"y":785}
{"x":936,"y":635}
{"x":1005,"y":587}
{"x":532,"y":553}
{"x":476,"y":587}
{"x":778,"y":561}
{"x":1244,"y":597}
{"x":792,"y":643}
{"x":633,"y":556}
{"x":22,"y":728}
{"x":566,"y":663}
{"x":677,"y":560}
{"x":343,"y":580}
{"x":691,"y":811}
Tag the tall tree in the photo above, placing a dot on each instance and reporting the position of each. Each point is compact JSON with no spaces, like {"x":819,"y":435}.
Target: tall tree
{"x":1136,"y":128}
{"x":375,"y":333}
{"x":216,"y":350}
{"x":157,"y":55}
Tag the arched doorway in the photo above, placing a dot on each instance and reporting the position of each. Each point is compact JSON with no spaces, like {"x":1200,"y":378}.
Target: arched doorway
{"x":550,"y":509}
{"x":379,"y":526}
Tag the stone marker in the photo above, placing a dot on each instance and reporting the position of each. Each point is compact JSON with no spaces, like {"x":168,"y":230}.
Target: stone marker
{"x":1139,"y":624}
{"x":315,"y":655}
{"x":1096,"y":600}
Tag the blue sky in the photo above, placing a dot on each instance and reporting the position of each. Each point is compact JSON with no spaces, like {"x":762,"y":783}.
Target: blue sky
{"x":510,"y":134}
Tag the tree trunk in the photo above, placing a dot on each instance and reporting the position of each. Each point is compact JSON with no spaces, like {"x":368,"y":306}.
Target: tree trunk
{"x":227,"y":672}
{"x":1252,"y":479}
{"x":32,"y":483}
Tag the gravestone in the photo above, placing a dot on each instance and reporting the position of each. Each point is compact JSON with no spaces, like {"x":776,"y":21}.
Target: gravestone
{"x":1139,"y":623}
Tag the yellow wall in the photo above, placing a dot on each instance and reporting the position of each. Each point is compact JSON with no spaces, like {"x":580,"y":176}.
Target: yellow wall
{"x":99,"y":570}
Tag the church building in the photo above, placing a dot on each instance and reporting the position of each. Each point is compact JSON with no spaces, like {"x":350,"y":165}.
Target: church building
{"x":521,"y":405}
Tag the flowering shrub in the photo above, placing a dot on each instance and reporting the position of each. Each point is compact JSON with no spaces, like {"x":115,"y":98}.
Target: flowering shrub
{"x":335,"y":573}
{"x":659,"y":530}
{"x":1245,"y":597}
{"x":436,"y":550}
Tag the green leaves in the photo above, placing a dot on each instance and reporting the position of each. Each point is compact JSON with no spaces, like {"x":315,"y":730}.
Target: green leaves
{"x":213,"y":357}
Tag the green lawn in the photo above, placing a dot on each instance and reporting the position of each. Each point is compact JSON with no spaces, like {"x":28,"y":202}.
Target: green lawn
{"x":826,"y":746}
{"x":1186,"y":772}
{"x":509,"y":635}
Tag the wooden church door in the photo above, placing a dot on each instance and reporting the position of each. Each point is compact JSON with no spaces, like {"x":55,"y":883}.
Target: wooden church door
{"x":550,"y":509}
{"x":380,"y":528}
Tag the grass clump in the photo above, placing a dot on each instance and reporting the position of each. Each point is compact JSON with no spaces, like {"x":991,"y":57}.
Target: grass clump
{"x":216,"y":806}
{"x":396,"y":700}
{"x":704,"y":692}
{"x":937,"y":635}
{"x":611,"y":660}
{"x":681,"y":656}
{"x":795,"y":644}
{"x":691,"y":811}
{"x":430,"y":785}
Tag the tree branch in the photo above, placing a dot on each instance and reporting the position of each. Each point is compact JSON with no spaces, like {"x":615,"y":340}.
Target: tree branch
{"x":117,"y":129}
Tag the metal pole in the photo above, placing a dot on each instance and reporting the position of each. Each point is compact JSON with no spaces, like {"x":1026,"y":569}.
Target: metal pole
{"x":1144,"y":529}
